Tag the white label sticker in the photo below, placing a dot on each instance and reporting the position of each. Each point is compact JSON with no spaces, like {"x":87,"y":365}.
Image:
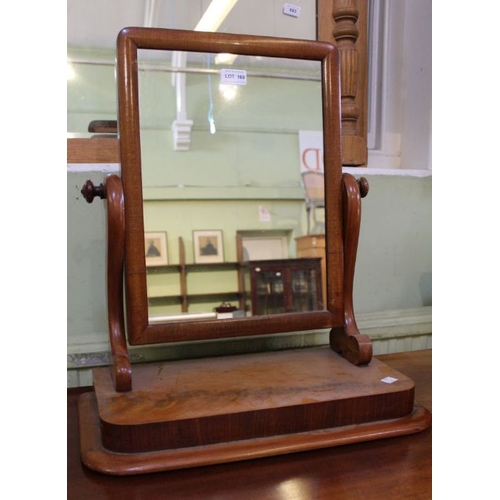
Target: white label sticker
{"x":291,"y":10}
{"x":233,"y":76}
{"x":264,"y":214}
{"x":389,"y":380}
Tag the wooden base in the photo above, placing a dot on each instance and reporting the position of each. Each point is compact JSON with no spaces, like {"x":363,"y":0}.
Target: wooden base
{"x":199,"y":412}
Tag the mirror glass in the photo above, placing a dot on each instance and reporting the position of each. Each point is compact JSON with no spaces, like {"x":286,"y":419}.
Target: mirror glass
{"x":222,"y":145}
{"x":202,"y":178}
{"x":92,"y":27}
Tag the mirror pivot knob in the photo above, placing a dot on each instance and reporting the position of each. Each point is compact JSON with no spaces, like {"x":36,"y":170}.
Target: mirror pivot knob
{"x":90,"y":191}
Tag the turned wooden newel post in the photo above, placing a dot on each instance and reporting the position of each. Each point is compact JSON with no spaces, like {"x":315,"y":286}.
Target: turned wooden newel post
{"x":346,"y":34}
{"x":344,"y":23}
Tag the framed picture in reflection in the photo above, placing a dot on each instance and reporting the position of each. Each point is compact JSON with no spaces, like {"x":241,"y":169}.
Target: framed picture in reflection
{"x":156,"y":249}
{"x":208,"y":247}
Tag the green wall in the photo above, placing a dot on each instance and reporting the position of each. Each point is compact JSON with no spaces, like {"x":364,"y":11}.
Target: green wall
{"x":394,"y":264}
{"x":393,"y":269}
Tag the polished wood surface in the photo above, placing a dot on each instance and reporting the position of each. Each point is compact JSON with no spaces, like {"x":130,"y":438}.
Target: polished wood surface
{"x":258,"y":401}
{"x":398,"y":467}
{"x":348,"y":341}
{"x":122,"y":369}
{"x":325,"y":400}
{"x":92,"y":150}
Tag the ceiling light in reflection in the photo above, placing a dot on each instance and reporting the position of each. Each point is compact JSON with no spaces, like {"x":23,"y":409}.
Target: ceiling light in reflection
{"x":216,"y":12}
{"x":228,"y":92}
{"x":70,"y":71}
{"x":294,"y":488}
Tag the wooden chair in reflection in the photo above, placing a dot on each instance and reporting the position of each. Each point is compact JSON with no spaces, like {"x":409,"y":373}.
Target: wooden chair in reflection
{"x":314,"y":188}
{"x":179,"y":414}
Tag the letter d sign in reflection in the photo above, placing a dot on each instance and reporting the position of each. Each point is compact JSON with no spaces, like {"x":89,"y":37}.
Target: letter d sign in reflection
{"x":311,"y":150}
{"x":311,"y":159}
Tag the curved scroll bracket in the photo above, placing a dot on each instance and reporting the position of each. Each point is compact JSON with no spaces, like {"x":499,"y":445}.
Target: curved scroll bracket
{"x":347,"y":341}
{"x":112,"y":191}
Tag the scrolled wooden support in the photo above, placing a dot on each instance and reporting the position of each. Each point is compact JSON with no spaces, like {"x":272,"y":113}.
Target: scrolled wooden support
{"x":347,"y":341}
{"x":121,"y":368}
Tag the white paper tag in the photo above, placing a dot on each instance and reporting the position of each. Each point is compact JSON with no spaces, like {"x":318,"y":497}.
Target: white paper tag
{"x":291,"y":10}
{"x":264,"y":214}
{"x":389,"y":380}
{"x":233,"y":76}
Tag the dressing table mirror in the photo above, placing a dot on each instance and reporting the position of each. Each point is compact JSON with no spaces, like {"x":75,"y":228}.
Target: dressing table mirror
{"x":162,"y":416}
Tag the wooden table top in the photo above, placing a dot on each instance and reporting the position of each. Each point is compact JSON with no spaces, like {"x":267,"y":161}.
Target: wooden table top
{"x":398,"y":467}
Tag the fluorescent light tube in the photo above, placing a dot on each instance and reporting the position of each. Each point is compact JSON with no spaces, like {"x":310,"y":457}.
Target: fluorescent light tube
{"x":216,"y":12}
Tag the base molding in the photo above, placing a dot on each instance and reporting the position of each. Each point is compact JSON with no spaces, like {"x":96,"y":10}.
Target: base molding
{"x":97,"y":458}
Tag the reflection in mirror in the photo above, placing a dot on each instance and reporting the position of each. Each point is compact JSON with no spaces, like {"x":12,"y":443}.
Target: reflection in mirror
{"x":221,"y":165}
{"x":91,"y":38}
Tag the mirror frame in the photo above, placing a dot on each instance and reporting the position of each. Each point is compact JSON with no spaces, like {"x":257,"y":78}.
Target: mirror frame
{"x":139,"y":330}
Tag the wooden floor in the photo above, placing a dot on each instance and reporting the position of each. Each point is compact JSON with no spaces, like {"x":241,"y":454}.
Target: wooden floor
{"x":390,"y":468}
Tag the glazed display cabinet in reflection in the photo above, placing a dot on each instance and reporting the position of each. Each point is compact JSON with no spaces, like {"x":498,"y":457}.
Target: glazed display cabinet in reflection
{"x":282,"y":286}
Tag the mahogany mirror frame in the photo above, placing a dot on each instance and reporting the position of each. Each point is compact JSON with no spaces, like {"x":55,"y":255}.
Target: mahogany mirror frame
{"x":139,"y":330}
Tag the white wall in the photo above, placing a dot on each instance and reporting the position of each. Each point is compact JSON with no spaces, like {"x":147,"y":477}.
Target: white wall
{"x":400,"y":86}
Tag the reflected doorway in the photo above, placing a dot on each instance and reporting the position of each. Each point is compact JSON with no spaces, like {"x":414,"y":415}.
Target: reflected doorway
{"x":265,"y":245}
